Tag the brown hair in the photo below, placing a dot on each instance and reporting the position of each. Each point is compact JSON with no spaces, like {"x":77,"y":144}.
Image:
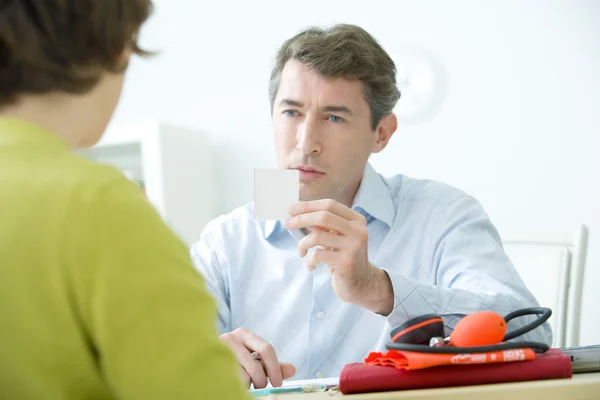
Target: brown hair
{"x":65,"y":45}
{"x":348,"y":51}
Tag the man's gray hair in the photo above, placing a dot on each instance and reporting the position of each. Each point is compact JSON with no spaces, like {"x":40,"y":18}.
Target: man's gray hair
{"x":348,"y":51}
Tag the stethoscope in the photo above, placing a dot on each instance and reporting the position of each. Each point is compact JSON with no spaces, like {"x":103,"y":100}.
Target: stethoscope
{"x":480,"y":332}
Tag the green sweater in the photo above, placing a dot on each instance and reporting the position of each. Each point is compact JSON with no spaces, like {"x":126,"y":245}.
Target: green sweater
{"x":98,"y":298}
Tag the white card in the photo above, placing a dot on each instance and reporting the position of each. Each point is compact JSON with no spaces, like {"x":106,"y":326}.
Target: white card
{"x":275,"y":191}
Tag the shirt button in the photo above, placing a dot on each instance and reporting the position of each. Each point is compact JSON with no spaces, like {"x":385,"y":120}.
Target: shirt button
{"x":320,"y":375}
{"x":320,"y":315}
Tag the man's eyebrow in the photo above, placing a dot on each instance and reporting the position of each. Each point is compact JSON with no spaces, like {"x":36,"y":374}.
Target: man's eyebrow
{"x":339,"y":109}
{"x":289,"y":102}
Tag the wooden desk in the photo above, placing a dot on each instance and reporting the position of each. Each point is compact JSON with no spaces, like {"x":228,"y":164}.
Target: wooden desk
{"x":580,"y":387}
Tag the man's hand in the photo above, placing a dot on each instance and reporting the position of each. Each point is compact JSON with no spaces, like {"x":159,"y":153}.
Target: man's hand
{"x":243,"y":343}
{"x":343,"y":236}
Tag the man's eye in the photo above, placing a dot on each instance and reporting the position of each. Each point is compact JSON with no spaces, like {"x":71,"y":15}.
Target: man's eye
{"x":335,"y":119}
{"x":290,"y":113}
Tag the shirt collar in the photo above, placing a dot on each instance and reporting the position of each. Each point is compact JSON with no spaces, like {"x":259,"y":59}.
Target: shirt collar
{"x":270,"y":227}
{"x":372,"y":198}
{"x":17,"y":132}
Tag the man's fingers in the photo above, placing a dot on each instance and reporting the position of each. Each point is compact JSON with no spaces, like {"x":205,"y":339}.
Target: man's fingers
{"x":253,"y":368}
{"x":288,"y":370}
{"x":324,"y":205}
{"x":321,"y":256}
{"x":270,"y":362}
{"x":320,"y":238}
{"x":245,"y":377}
{"x":320,"y":219}
{"x":244,"y":342}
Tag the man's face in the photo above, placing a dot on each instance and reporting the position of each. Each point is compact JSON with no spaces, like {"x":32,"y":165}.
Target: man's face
{"x":322,"y":127}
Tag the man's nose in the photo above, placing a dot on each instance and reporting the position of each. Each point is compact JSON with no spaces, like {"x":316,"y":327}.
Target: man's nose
{"x":308,"y":138}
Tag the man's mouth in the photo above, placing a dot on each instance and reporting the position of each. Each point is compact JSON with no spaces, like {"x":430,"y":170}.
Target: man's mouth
{"x":309,"y":173}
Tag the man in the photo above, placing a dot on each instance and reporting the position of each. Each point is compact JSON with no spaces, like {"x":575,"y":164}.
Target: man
{"x":360,"y":254}
{"x":100,"y":299}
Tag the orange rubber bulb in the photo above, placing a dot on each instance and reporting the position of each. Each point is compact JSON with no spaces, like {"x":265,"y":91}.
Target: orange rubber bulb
{"x":479,"y":329}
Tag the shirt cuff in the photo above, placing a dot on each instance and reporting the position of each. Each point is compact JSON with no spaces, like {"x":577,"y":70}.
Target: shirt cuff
{"x":409,"y":302}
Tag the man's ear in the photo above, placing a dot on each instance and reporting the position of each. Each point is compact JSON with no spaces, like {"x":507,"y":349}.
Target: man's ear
{"x":386,"y":128}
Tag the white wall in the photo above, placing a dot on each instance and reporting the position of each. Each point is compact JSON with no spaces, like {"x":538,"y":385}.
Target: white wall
{"x":518,"y":129}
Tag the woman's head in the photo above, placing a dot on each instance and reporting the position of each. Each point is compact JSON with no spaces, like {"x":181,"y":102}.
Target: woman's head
{"x":55,"y":48}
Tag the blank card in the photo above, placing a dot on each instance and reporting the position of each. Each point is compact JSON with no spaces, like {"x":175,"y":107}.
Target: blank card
{"x":275,"y":191}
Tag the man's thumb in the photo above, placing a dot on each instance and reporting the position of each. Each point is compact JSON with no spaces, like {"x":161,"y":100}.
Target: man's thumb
{"x":287,"y":370}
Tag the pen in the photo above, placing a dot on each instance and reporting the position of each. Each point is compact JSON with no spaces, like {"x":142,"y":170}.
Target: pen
{"x":256,"y":356}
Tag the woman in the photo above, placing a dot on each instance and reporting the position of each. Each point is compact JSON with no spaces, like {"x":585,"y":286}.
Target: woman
{"x":99,"y":299}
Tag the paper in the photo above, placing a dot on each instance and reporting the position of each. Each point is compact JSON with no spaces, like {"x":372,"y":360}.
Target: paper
{"x":275,"y":191}
{"x":328,"y":382}
{"x":323,"y":381}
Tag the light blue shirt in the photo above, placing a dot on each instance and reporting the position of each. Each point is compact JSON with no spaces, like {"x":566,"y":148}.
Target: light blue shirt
{"x":437,"y":244}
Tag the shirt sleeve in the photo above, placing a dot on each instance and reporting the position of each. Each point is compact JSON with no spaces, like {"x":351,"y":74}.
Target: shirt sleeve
{"x":145,"y":309}
{"x":206,"y":261}
{"x":470,"y":272}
